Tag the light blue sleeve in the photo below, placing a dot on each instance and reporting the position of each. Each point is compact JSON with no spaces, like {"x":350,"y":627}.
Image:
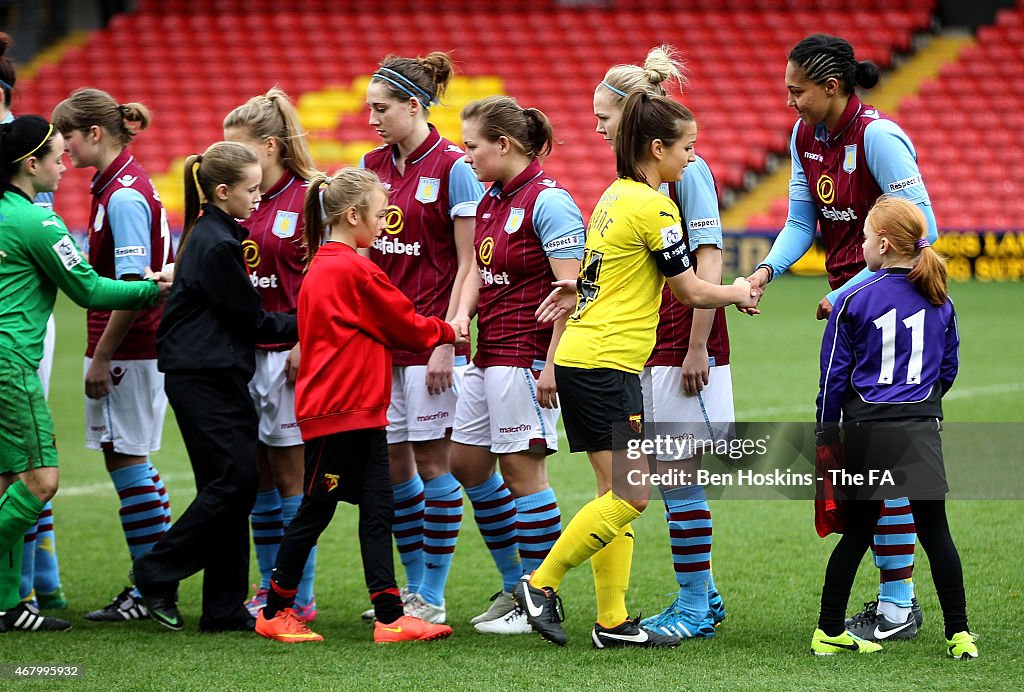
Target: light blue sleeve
{"x":559,"y":224}
{"x":893,"y":162}
{"x":798,"y":187}
{"x":362,"y":161}
{"x":797,"y":235}
{"x":464,"y":190}
{"x":795,"y":238}
{"x":698,"y":205}
{"x":130,"y":223}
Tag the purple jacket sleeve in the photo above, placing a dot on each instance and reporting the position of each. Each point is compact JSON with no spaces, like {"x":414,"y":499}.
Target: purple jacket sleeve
{"x":836,"y":365}
{"x":951,"y":354}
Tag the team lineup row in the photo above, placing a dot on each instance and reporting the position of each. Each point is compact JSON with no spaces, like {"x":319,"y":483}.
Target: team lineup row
{"x":383,"y":267}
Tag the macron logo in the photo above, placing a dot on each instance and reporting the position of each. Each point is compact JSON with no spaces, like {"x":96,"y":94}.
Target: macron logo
{"x":127,"y":180}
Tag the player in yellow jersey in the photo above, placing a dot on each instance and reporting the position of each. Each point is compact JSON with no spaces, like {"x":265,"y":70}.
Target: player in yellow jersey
{"x":635,"y":243}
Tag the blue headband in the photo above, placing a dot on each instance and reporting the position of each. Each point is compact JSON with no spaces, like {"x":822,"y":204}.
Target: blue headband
{"x":421,"y":96}
{"x":620,"y":92}
{"x":5,"y":85}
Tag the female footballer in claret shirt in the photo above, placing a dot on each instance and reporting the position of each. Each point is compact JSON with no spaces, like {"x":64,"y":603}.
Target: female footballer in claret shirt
{"x":427,"y":252}
{"x":845,"y":153}
{"x":125,"y":403}
{"x":529,"y":232}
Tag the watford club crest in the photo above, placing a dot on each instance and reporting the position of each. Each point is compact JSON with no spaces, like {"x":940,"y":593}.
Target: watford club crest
{"x":330,"y":482}
{"x":636,"y":422}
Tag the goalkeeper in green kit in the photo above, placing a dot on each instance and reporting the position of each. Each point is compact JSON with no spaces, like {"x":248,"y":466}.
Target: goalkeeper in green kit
{"x":37,"y":256}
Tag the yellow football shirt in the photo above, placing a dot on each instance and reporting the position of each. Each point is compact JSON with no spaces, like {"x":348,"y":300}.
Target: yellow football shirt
{"x":634,"y":240}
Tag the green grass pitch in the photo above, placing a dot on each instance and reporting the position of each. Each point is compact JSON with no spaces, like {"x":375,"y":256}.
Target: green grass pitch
{"x":768,"y":561}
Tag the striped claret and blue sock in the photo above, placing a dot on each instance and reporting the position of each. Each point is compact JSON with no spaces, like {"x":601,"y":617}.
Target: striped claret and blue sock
{"x":539,"y":525}
{"x":408,"y":529}
{"x":442,"y":519}
{"x":689,"y":525}
{"x":142,"y":509}
{"x":494,"y":510}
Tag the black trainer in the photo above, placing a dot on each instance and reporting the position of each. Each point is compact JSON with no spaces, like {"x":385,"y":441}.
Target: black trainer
{"x":915,"y":609}
{"x":630,"y":633}
{"x":25,"y":617}
{"x":543,"y":610}
{"x":124,"y":607}
{"x":873,"y":626}
{"x":165,"y":611}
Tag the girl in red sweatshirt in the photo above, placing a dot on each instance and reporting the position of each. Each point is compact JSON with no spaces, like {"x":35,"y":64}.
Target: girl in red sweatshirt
{"x":350,"y":319}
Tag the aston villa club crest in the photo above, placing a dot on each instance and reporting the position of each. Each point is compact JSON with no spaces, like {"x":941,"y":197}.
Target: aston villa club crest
{"x":330,"y":482}
{"x":285,"y":224}
{"x":427,"y":190}
{"x":636,"y":421}
{"x":850,"y":160}
{"x":515,"y":220}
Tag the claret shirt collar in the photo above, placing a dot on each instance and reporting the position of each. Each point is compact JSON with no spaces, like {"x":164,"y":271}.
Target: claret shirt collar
{"x":852,"y":110}
{"x":517,"y":183}
{"x":432,"y":140}
{"x":101,"y":180}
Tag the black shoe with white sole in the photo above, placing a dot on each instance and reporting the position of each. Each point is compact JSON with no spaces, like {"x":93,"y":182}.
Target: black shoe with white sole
{"x":873,"y":626}
{"x":543,"y":610}
{"x":630,"y":633}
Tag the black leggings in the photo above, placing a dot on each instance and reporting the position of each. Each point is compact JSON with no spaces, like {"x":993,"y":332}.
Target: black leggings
{"x":932,"y":531}
{"x":350,"y":466}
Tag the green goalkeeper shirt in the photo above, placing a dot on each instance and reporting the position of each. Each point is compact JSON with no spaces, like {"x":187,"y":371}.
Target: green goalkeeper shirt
{"x":38,"y":256}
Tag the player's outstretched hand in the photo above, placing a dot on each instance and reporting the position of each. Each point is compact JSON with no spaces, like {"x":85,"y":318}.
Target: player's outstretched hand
{"x":291,"y":364}
{"x":824,"y":309}
{"x":753,"y":296}
{"x":163,"y":282}
{"x":559,"y":303}
{"x":758,"y":282}
{"x":460,"y":326}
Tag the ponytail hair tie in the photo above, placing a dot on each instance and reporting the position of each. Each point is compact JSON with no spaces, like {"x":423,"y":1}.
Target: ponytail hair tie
{"x":195,"y":177}
{"x":922,"y":243}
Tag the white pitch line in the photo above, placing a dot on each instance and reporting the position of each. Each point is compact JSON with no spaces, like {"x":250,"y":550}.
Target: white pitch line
{"x":100,"y":488}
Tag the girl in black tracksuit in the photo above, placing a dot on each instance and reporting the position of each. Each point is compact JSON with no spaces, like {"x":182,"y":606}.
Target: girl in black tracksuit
{"x":205,"y":346}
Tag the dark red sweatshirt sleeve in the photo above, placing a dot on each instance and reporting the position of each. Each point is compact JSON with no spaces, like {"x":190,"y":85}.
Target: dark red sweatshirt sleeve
{"x":391,"y":318}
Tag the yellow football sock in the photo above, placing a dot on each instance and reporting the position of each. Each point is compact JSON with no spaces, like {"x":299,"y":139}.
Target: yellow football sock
{"x":611,"y":567}
{"x":594,"y":527}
